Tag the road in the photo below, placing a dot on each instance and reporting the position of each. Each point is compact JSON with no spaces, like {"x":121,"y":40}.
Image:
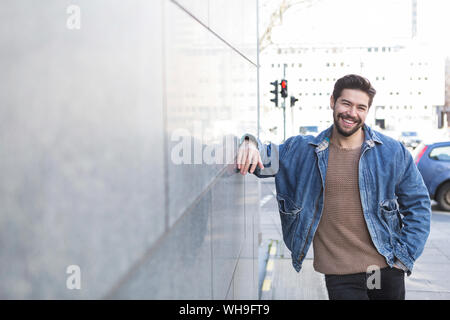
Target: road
{"x":430,"y":278}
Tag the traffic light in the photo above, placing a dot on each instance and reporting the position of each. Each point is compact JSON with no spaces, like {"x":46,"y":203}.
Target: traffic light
{"x":293,"y":100}
{"x":284,"y":90}
{"x":275,"y":92}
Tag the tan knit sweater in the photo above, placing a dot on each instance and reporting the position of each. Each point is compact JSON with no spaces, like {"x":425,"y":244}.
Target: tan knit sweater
{"x":342,"y":244}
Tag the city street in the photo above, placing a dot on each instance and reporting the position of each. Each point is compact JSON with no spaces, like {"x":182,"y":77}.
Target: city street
{"x":430,"y":278}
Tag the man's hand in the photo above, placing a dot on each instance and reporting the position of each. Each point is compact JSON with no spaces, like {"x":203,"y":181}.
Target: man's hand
{"x":399,"y":265}
{"x":248,"y":154}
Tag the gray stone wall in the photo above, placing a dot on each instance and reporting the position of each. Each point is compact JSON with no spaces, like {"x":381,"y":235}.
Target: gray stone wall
{"x":92,"y":104}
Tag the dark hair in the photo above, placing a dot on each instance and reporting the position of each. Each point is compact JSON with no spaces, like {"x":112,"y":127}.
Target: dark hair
{"x":353,"y":81}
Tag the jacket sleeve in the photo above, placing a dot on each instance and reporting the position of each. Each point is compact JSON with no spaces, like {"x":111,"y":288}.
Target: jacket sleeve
{"x":415,"y":205}
{"x":271,"y":155}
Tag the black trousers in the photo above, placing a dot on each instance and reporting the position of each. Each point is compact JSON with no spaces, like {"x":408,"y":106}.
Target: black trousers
{"x":389,"y":284}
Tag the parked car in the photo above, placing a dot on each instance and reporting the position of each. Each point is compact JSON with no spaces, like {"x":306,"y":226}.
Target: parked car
{"x":309,"y":130}
{"x":433,"y":162}
{"x":410,"y":139}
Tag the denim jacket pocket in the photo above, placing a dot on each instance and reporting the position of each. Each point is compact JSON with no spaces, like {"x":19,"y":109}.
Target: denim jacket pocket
{"x":391,"y":215}
{"x":289,"y":213}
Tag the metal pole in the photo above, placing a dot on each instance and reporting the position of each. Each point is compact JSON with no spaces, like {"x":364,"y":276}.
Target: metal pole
{"x":258,"y":103}
{"x":284,"y":106}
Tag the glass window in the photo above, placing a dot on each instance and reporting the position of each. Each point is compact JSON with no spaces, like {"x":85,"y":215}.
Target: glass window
{"x":440,"y":153}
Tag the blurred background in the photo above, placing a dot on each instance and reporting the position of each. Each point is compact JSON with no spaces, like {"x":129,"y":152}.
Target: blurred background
{"x":398,"y":45}
{"x":96,"y":97}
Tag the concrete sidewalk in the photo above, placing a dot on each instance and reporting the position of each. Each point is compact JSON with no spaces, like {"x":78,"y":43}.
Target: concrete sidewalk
{"x":280,"y":281}
{"x":430,"y":279}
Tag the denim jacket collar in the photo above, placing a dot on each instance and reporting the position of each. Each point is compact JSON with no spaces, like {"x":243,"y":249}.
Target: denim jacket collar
{"x":323,"y":139}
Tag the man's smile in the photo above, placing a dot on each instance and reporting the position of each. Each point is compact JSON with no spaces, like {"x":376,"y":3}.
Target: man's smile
{"x":348,"y":122}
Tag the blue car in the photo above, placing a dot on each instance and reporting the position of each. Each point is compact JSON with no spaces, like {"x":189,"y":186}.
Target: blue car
{"x":433,"y":162}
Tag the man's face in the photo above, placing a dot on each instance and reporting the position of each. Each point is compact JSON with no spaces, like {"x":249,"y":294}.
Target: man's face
{"x":350,"y":111}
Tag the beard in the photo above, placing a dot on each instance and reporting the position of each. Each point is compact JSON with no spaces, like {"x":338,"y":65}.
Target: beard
{"x":346,"y":132}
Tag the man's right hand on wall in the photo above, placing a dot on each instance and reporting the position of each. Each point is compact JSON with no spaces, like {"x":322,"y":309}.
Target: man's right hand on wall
{"x":248,"y":157}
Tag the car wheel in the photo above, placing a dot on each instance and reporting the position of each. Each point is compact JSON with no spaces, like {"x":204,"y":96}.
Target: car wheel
{"x":443,"y":196}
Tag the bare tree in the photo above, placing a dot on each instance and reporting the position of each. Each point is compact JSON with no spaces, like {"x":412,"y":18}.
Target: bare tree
{"x":276,"y":19}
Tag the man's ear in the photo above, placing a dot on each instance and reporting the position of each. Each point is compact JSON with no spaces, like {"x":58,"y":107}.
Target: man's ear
{"x":332,"y":102}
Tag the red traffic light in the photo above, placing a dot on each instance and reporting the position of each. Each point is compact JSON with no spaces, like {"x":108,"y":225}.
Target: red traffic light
{"x":284,"y":89}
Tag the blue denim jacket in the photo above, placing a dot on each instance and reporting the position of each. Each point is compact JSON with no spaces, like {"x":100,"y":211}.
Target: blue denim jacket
{"x":395,"y":201}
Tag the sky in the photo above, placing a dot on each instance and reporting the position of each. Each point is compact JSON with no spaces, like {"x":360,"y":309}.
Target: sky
{"x":356,"y":21}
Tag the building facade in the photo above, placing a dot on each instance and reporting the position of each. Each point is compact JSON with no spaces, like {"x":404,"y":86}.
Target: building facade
{"x":409,"y":79}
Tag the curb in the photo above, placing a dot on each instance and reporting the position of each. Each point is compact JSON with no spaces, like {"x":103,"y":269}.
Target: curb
{"x":266,"y":288}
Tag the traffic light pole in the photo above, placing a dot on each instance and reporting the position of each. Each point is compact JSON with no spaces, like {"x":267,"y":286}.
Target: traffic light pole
{"x":284,"y":106}
{"x":284,"y":95}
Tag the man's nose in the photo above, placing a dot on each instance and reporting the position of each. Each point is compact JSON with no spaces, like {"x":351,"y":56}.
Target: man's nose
{"x":352,"y":112}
